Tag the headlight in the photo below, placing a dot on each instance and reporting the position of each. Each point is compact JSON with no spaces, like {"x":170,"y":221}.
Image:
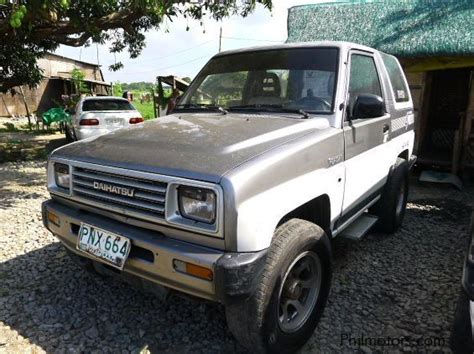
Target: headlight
{"x":61,"y":175}
{"x":197,"y":203}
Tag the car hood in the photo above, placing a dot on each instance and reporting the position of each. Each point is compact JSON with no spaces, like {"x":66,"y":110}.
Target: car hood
{"x":197,"y":146}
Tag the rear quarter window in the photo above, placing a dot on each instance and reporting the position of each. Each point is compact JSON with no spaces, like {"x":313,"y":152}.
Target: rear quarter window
{"x":400,"y":89}
{"x":106,"y":105}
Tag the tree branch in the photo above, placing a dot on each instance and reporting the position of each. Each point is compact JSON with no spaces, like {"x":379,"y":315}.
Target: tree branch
{"x":73,"y":42}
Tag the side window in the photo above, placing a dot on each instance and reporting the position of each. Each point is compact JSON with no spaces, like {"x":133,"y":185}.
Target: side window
{"x":363,"y":78}
{"x":400,"y":90}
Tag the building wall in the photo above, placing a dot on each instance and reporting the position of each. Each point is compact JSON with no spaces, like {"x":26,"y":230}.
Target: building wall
{"x":15,"y":104}
{"x":48,"y":92}
{"x":54,"y":65}
{"x":422,"y":85}
{"x":417,"y":84}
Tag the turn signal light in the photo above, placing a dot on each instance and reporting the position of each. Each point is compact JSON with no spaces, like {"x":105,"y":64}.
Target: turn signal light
{"x":89,"y":121}
{"x":53,"y":218}
{"x":136,"y":120}
{"x":192,"y":269}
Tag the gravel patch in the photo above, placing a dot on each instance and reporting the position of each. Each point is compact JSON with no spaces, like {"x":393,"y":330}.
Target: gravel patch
{"x":402,"y":286}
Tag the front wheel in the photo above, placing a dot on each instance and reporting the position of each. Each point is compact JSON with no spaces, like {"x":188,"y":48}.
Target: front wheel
{"x":289,"y":301}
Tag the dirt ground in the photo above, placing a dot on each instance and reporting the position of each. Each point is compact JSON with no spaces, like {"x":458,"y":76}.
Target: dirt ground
{"x":18,"y":143}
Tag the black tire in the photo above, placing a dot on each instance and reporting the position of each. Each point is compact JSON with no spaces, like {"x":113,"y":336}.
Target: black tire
{"x":461,"y":335}
{"x":256,"y":322}
{"x":391,"y":207}
{"x":83,"y":262}
{"x":70,"y":136}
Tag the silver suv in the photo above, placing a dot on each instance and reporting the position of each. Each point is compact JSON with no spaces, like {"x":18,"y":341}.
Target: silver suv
{"x":236,"y":197}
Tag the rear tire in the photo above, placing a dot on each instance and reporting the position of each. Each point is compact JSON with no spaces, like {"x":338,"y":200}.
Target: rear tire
{"x":69,"y":133}
{"x":391,"y":207}
{"x":290,"y":298}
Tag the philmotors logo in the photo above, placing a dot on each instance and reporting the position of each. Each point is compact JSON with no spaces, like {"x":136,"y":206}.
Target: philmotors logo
{"x":128,"y":192}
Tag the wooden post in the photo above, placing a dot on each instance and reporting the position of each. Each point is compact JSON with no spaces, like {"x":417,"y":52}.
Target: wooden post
{"x":159,"y":98}
{"x":423,"y":116}
{"x":6,"y":107}
{"x":220,"y":39}
{"x":468,"y":129}
{"x":456,"y":153}
{"x":154,"y":103}
{"x":26,"y":107}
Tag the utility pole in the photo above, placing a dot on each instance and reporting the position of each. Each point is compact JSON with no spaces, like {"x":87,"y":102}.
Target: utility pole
{"x":220,"y":39}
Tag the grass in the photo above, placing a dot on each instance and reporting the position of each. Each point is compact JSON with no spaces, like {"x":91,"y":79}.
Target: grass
{"x":145,"y":108}
{"x":24,"y":128}
{"x":8,"y":128}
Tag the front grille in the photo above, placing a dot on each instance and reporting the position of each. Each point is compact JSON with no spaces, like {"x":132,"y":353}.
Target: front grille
{"x":148,"y":196}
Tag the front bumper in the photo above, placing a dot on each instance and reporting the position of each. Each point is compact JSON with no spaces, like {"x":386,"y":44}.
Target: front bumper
{"x":151,"y":257}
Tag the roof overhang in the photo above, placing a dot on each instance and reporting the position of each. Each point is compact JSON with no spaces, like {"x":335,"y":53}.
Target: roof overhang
{"x":97,"y":82}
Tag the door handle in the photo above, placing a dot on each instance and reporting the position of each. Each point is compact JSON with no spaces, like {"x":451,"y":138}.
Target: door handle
{"x":386,"y":128}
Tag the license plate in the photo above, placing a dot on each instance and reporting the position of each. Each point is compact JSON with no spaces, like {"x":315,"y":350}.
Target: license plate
{"x":114,"y":121}
{"x":106,"y":246}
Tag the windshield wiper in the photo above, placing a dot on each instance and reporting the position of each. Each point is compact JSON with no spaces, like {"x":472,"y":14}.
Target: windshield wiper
{"x":296,"y":110}
{"x":270,"y":108}
{"x":255,"y":107}
{"x":202,"y":106}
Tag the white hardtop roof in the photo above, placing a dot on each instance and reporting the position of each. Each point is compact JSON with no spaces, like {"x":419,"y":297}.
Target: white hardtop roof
{"x":335,"y":44}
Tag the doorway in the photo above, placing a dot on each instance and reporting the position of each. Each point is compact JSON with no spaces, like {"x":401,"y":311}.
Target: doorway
{"x":448,"y":98}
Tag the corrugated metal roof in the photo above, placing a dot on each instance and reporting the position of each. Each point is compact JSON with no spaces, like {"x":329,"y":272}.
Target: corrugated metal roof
{"x":409,"y":28}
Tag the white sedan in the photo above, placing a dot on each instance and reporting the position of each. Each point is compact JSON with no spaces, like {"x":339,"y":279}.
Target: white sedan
{"x":99,"y":115}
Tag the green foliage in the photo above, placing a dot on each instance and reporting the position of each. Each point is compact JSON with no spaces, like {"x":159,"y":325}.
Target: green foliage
{"x":145,"y":108}
{"x":117,"y":89}
{"x":78,"y":76}
{"x":138,"y":86}
{"x":30,"y":28}
{"x":9,"y":127}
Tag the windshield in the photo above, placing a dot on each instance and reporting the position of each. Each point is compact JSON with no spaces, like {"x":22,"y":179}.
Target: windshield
{"x":284,"y":79}
{"x":106,"y":105}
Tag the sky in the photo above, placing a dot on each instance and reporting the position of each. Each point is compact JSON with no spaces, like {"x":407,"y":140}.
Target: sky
{"x":184,"y":53}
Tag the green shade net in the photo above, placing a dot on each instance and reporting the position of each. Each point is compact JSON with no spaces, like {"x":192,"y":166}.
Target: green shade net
{"x":55,"y":115}
{"x":404,"y":28}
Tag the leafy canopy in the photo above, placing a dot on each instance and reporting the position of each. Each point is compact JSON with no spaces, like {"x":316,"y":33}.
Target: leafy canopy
{"x":29,"y":28}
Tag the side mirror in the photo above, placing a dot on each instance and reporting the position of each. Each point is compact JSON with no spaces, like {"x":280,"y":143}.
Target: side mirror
{"x":368,"y":106}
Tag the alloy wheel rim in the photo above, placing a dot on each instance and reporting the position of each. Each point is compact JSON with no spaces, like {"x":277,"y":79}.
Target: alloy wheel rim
{"x":299,"y":291}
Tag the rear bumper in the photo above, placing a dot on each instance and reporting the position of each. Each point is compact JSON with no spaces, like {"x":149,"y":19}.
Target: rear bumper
{"x":86,"y":132}
{"x":152,"y":254}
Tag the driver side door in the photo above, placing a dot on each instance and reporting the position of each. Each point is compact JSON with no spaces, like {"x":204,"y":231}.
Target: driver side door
{"x":365,"y":139}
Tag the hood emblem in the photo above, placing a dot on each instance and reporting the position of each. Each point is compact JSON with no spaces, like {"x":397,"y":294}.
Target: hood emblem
{"x":109,"y":188}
